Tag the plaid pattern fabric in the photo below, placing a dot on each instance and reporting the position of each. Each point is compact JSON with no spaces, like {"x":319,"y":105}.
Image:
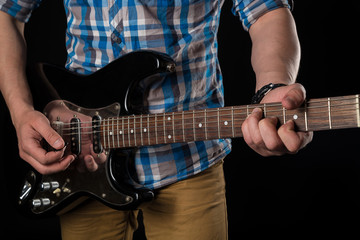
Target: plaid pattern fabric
{"x":100,"y":31}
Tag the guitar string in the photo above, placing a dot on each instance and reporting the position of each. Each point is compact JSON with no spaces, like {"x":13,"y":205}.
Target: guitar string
{"x":247,"y":107}
{"x":128,"y":125}
{"x":163,"y":115}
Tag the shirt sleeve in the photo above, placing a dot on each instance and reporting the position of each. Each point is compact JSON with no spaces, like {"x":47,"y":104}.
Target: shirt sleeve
{"x":250,"y":10}
{"x":19,"y":9}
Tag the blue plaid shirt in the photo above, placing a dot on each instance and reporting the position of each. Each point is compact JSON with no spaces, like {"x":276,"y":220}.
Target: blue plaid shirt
{"x":100,"y":31}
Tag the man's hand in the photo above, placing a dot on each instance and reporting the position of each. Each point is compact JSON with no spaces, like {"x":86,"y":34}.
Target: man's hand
{"x":35,"y":127}
{"x":262,"y":134}
{"x":31,"y":130}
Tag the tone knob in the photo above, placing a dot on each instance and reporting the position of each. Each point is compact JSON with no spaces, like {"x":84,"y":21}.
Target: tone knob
{"x":45,"y":186}
{"x":36,"y":203}
{"x":40,"y":202}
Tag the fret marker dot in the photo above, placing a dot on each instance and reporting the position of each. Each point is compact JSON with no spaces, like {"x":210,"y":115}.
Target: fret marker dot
{"x":120,"y":132}
{"x":200,"y":125}
{"x":111,"y":133}
{"x":226,"y":123}
{"x":145,"y":130}
{"x":169,"y":118}
{"x":169,"y":137}
{"x":132,"y":131}
{"x":295,"y":117}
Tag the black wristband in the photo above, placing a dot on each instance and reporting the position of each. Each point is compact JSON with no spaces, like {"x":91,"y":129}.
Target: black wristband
{"x":261,"y":93}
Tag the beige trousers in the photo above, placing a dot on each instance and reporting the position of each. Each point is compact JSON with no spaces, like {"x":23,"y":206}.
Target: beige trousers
{"x":191,"y":209}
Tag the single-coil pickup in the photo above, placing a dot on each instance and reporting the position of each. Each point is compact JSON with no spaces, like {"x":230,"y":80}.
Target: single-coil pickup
{"x":96,"y":124}
{"x":75,"y":133}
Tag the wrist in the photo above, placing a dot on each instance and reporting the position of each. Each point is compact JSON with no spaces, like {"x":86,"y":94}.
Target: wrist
{"x":19,"y":112}
{"x":263,"y":91}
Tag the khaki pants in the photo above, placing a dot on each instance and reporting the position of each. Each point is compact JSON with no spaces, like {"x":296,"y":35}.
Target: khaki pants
{"x":191,"y":209}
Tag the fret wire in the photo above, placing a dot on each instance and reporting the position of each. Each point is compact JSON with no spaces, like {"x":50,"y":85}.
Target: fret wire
{"x":141,"y":132}
{"x":206,"y":136}
{"x":306,"y":118}
{"x":358,"y":110}
{"x":128,"y":117}
{"x":117,"y":132}
{"x":148,"y":127}
{"x":123,"y":131}
{"x":156,"y":137}
{"x":329,"y":111}
{"x":108,"y":130}
{"x":112,"y":129}
{"x":218,"y":122}
{"x":183,"y":126}
{"x":173,"y":126}
{"x":193,"y":118}
{"x":134,"y":132}
{"x":264,"y":110}
{"x":165,"y":133}
{"x":284,"y":114}
{"x":232,"y":121}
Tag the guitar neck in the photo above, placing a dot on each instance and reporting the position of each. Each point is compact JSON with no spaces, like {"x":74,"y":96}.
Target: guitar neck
{"x":216,"y":123}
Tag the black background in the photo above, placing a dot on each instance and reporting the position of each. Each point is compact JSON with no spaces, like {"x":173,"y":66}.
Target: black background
{"x":313,"y":192}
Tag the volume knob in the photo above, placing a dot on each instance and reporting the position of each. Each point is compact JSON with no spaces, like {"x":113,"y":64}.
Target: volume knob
{"x":40,"y":202}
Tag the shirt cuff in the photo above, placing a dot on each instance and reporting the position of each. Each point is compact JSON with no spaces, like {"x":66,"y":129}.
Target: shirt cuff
{"x":250,"y":10}
{"x":21,"y":10}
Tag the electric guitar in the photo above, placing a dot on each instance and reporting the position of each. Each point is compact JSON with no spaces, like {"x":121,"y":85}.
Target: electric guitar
{"x":119,"y":123}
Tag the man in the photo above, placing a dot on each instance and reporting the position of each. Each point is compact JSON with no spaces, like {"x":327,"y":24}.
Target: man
{"x":190,"y":197}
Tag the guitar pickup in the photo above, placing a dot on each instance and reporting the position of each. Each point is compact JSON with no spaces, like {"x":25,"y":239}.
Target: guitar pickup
{"x":96,"y":124}
{"x":75,"y":133}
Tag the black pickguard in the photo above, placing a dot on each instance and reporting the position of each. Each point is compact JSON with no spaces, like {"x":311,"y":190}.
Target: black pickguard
{"x":117,"y":82}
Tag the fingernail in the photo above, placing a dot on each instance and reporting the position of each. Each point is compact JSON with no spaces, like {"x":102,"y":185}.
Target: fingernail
{"x":289,"y":124}
{"x":58,"y":144}
{"x":257,"y":110}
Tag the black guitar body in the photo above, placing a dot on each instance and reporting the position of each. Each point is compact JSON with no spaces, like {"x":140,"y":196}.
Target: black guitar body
{"x":115,"y":86}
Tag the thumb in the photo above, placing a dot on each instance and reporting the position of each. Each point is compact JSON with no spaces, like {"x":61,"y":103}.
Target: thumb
{"x":44,"y":128}
{"x":295,"y":97}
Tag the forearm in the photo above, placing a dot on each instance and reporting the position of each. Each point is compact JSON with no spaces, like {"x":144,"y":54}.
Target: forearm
{"x":13,"y":84}
{"x":276,"y":49}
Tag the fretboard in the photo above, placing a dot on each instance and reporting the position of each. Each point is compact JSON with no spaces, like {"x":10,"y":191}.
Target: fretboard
{"x":216,"y":123}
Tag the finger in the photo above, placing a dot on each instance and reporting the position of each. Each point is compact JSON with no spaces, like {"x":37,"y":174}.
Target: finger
{"x":269,"y":134}
{"x":55,"y":167}
{"x":294,"y":97}
{"x":90,"y":163}
{"x":99,"y":158}
{"x":33,"y":148}
{"x":294,"y":141}
{"x":250,"y":128}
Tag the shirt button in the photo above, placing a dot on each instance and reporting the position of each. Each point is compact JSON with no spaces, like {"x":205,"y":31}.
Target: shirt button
{"x":115,"y":38}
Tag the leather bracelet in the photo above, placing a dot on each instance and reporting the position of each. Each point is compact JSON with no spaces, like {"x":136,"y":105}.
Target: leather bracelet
{"x":261,"y":93}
